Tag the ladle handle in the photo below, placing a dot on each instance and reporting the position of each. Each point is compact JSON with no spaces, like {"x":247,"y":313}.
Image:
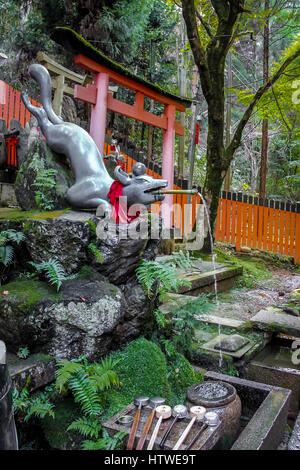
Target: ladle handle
{"x":145,"y":431}
{"x":133,"y":429}
{"x":196,"y":437}
{"x":184,"y":434}
{"x":165,"y":436}
{"x":154,"y":434}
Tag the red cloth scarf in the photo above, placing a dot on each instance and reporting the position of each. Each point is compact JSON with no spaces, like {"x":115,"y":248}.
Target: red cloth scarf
{"x":120,"y":210}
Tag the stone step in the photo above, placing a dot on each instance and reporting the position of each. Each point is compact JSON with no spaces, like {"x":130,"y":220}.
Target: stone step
{"x":39,"y":367}
{"x":179,"y":300}
{"x":274,"y":319}
{"x":222,"y":321}
{"x":200,"y":280}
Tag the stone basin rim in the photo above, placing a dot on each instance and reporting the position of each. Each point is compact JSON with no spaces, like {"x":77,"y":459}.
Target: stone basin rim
{"x":214,"y":402}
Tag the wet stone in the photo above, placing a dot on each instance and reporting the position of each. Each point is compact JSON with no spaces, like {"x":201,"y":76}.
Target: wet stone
{"x":232,"y":343}
{"x":211,"y":390}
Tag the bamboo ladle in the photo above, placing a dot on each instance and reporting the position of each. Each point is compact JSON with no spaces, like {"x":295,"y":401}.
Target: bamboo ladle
{"x":154,"y":403}
{"x":197,"y":413}
{"x":179,"y":412}
{"x":139,"y":402}
{"x":162,"y":412}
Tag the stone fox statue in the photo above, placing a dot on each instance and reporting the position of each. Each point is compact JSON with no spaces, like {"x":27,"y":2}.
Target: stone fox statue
{"x":92,"y":181}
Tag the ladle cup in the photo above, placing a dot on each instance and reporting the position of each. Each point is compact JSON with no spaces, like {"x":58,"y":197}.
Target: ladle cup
{"x":179,"y":412}
{"x":197,"y":413}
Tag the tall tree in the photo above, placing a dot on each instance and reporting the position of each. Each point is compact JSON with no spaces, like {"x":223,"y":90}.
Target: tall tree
{"x":210,"y":49}
{"x":265,"y":123}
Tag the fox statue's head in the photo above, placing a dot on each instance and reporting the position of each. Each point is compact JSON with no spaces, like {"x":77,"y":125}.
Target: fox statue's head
{"x":139,"y":188}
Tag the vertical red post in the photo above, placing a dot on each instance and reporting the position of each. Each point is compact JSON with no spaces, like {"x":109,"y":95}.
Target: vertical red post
{"x":99,"y":110}
{"x":168,"y":163}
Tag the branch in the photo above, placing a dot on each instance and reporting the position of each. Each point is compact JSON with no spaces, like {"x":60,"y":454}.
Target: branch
{"x":204,"y":24}
{"x":189,"y":15}
{"x":280,"y":110}
{"x":236,"y":140}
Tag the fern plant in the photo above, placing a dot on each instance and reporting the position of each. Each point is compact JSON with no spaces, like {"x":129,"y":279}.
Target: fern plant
{"x":55,"y":273}
{"x":7,"y":251}
{"x":93,"y":248}
{"x":156,"y":277}
{"x":38,"y":406}
{"x":86,"y":382}
{"x":88,"y":426}
{"x":183,"y":260}
{"x":106,"y":442}
{"x":45,"y":182}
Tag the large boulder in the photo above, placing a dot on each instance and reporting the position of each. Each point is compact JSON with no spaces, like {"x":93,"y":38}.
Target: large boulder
{"x":80,"y":319}
{"x":66,"y":237}
{"x":39,"y":157}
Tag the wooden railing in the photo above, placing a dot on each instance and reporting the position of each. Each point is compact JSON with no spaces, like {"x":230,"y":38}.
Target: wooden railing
{"x":243,"y":220}
{"x":11,"y":105}
{"x":261,"y":224}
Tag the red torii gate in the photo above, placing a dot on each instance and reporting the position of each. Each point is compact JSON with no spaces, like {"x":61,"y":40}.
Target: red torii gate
{"x":105,"y":70}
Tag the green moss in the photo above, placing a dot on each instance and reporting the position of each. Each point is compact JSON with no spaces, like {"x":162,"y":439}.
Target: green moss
{"x":253,"y":270}
{"x":142,"y":370}
{"x":55,"y":429}
{"x":26,"y":293}
{"x":18,"y":214}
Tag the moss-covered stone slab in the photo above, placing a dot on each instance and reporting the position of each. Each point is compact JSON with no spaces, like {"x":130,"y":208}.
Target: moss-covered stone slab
{"x":274,"y":319}
{"x":222,"y":321}
{"x":39,"y":367}
{"x":200,"y":280}
{"x":223,"y":341}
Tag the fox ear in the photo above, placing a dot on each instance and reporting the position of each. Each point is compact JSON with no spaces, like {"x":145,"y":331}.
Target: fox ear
{"x":121,"y":176}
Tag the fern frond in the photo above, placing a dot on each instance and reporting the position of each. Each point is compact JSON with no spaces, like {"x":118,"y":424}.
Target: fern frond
{"x":88,"y":426}
{"x":54,"y":271}
{"x":12,"y":235}
{"x":92,"y":247}
{"x":106,"y":442}
{"x":39,"y":408}
{"x":84,"y":393}
{"x":65,"y":371}
{"x":160,"y":318}
{"x":6,"y":254}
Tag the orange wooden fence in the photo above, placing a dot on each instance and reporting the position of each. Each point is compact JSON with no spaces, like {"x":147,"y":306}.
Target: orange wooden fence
{"x":261,"y":224}
{"x":11,"y":105}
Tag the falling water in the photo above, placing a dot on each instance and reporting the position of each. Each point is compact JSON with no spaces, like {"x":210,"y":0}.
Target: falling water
{"x":214,"y":267}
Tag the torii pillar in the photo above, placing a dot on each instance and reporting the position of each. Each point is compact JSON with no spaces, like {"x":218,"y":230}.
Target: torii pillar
{"x":168,"y":164}
{"x":101,"y":100}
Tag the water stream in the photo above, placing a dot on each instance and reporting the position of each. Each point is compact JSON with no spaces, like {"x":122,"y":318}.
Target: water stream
{"x":214,"y":268}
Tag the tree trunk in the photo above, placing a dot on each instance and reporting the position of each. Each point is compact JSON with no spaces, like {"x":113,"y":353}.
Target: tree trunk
{"x":265,"y":124}
{"x":181,"y":61}
{"x":227,"y":181}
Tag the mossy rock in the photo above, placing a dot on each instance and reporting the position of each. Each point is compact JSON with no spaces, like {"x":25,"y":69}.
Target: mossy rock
{"x":142,"y":370}
{"x":40,"y":157}
{"x":78,"y":320}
